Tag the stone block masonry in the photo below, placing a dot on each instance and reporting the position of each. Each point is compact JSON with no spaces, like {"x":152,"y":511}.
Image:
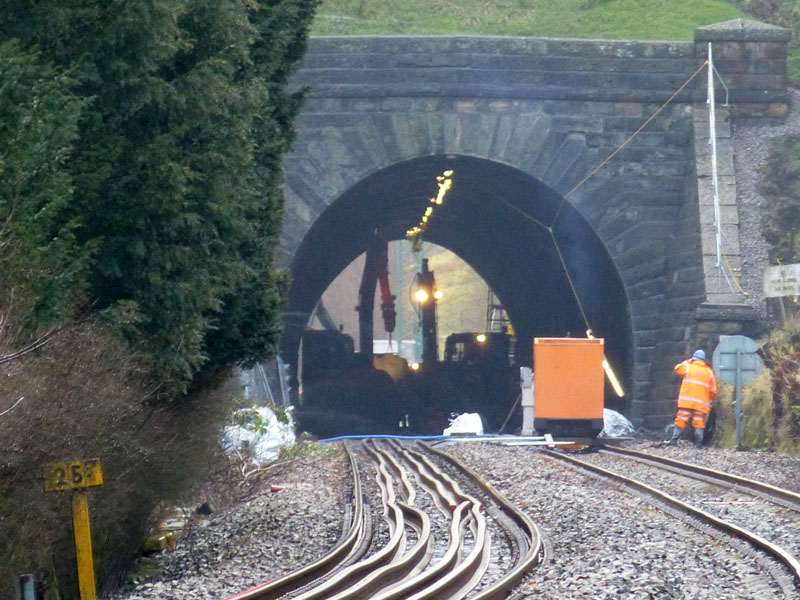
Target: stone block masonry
{"x":555,"y":110}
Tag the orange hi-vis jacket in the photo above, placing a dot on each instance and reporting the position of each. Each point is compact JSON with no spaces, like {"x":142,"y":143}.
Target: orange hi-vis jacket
{"x":699,"y":386}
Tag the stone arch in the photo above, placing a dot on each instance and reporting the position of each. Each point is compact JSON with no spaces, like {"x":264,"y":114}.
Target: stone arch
{"x":544,"y":260}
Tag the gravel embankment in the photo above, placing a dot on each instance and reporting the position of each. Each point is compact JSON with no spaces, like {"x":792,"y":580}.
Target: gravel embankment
{"x":264,"y":535}
{"x":753,"y":142}
{"x":756,"y":513}
{"x":608,"y":543}
{"x":603,"y":542}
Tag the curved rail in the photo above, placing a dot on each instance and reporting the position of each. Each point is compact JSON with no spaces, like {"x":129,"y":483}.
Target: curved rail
{"x":450,"y":577}
{"x":408,"y":565}
{"x":530,"y":546}
{"x":778,"y":553}
{"x":392,"y":562}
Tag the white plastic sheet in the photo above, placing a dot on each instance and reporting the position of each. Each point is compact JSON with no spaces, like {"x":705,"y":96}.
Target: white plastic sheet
{"x":615,"y":424}
{"x":467,"y":423}
{"x":261,"y":437}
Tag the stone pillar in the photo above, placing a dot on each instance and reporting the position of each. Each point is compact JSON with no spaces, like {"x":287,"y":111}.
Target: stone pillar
{"x":723,"y":269}
{"x":751,"y":59}
{"x":714,"y":320}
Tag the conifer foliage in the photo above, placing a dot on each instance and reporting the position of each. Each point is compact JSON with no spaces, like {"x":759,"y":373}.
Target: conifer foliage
{"x":41,"y":265}
{"x":172,"y":184}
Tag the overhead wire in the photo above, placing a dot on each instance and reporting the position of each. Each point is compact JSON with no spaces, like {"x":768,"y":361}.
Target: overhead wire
{"x":594,"y":172}
{"x":550,"y":228}
{"x":638,"y":131}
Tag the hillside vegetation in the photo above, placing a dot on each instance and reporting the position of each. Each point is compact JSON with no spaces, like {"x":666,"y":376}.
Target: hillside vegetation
{"x":623,"y":19}
{"x":140,"y":206}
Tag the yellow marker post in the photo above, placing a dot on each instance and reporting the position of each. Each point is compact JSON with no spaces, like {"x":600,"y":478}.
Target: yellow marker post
{"x":77,"y":476}
{"x":83,"y":544}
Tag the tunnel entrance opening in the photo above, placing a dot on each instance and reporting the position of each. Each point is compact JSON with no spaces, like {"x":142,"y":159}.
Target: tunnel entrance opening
{"x":543,"y":260}
{"x":462,"y":307}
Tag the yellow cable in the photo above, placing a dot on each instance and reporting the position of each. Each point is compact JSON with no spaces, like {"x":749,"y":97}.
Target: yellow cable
{"x":730,"y":270}
{"x":522,"y":213}
{"x":634,"y":134}
{"x":569,"y":279}
{"x":585,"y":179}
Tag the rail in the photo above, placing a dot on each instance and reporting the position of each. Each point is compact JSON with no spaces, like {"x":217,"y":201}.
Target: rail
{"x":352,"y":541}
{"x":409,"y":562}
{"x":779,"y":554}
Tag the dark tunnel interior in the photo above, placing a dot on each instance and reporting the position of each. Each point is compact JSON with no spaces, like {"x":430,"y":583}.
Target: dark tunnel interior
{"x":543,"y":260}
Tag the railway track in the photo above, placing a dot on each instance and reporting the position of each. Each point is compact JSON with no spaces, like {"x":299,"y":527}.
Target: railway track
{"x":766,"y":517}
{"x":419,"y":525}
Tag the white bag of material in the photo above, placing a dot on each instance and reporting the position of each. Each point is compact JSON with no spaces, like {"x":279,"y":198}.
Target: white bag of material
{"x":467,"y":423}
{"x":615,"y":424}
{"x":261,"y":435}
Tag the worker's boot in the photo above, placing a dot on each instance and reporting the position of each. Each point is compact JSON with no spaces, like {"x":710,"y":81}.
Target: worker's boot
{"x":676,"y":433}
{"x":699,"y":436}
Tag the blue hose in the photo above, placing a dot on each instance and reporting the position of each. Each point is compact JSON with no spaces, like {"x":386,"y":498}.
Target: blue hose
{"x":382,"y":435}
{"x":397,"y":437}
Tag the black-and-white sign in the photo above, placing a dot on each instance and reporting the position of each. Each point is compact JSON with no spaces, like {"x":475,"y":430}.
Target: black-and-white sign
{"x":783,"y":280}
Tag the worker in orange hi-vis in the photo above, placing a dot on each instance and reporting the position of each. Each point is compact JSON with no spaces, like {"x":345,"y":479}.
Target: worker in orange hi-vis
{"x":698,"y":389}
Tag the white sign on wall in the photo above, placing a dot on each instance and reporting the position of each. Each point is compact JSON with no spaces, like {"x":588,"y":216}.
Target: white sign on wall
{"x":782,"y":280}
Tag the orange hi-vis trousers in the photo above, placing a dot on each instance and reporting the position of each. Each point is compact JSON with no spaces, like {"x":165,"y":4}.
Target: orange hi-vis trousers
{"x":682,"y":418}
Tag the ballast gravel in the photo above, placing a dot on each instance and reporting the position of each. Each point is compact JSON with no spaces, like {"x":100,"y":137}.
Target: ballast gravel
{"x":606,"y":542}
{"x":283,"y":521}
{"x":753,"y":142}
{"x":602,"y":541}
{"x":759,"y":514}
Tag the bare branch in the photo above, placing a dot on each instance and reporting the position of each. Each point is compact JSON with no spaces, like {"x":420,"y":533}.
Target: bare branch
{"x":30,"y":347}
{"x":8,"y":410}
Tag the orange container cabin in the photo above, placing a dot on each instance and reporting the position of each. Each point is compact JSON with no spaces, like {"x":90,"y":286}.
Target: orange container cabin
{"x":568,"y":385}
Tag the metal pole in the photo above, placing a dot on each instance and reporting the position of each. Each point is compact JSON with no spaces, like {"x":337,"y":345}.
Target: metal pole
{"x":526,"y":385}
{"x":399,"y":300}
{"x":427,"y":314}
{"x":282,"y":380}
{"x":26,"y":588}
{"x":712,"y":133}
{"x":418,"y":335}
{"x":738,"y":398}
{"x":261,"y":374}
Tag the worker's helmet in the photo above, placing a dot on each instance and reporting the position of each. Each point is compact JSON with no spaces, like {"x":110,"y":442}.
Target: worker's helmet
{"x":699,"y":354}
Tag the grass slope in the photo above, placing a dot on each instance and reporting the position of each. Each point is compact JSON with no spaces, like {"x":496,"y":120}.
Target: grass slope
{"x":607,"y":19}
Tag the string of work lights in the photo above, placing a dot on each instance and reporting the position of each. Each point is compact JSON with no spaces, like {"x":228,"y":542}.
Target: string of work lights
{"x":444,"y":182}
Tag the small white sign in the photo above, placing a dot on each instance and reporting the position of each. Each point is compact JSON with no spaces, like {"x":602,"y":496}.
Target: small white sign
{"x":782,"y":280}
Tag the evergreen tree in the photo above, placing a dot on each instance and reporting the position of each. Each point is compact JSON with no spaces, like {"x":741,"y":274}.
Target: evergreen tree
{"x":177,"y":174}
{"x":42,"y":269}
{"x":247,"y":326}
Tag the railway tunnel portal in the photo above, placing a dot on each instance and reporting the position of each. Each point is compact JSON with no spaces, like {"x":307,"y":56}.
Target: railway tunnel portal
{"x":544,"y":261}
{"x":563,"y":236}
